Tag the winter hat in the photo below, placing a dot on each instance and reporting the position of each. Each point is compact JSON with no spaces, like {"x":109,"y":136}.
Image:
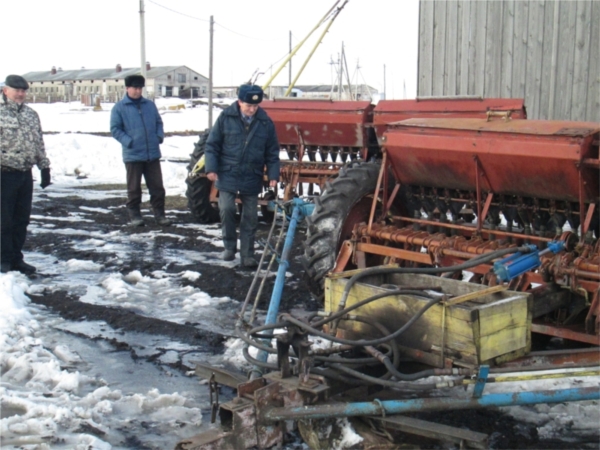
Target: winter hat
{"x":250,"y":93}
{"x":137,"y":81}
{"x":16,"y":82}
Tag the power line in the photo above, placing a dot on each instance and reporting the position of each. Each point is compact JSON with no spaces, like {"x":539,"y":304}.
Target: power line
{"x":216,"y":23}
{"x":177,"y":12}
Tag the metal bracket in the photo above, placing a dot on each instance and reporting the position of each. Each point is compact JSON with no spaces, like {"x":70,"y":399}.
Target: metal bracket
{"x":481,"y":380}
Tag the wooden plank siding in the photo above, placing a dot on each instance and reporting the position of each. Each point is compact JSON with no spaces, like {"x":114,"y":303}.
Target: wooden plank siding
{"x":593,"y":99}
{"x":439,"y":49}
{"x":545,"y":51}
{"x":425,"y":63}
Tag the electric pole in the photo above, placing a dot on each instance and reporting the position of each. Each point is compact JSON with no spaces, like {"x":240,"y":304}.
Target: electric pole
{"x":384,"y":93}
{"x":290,"y":71}
{"x":142,"y":44}
{"x":210,"y":75}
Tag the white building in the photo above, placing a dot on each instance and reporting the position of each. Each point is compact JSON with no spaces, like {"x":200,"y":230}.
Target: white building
{"x":64,"y":85}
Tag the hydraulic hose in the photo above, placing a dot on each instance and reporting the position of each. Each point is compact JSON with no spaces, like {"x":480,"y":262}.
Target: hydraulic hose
{"x":426,"y":270}
{"x":373,"y":342}
{"x":387,"y":383}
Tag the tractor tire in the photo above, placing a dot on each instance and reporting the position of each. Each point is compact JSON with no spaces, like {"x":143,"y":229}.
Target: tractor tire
{"x":198,"y":188}
{"x":345,"y":201}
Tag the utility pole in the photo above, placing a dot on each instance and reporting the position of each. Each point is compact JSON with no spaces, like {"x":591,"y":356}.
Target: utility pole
{"x":142,"y":44}
{"x":290,"y":67}
{"x":341,"y":73}
{"x":210,"y":75}
{"x":384,"y":93}
{"x":347,"y":73}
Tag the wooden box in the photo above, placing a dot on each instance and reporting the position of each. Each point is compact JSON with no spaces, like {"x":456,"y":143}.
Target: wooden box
{"x":489,"y":328}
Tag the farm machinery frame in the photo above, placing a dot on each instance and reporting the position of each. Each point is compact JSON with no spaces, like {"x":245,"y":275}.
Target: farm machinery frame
{"x":445,"y":262}
{"x":318,"y":137}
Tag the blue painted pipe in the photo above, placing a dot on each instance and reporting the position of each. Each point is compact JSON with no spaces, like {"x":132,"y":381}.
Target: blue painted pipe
{"x":300,"y":210}
{"x":378,"y":408}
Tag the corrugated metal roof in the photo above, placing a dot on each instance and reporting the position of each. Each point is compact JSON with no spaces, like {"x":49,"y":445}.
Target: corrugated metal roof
{"x":96,"y":74}
{"x":327,"y":88}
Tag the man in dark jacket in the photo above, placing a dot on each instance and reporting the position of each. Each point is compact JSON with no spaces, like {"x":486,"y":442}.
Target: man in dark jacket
{"x":240,"y":144}
{"x":22,"y":146}
{"x":136,"y":124}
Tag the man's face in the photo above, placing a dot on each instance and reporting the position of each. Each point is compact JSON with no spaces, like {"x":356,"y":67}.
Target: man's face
{"x":247,"y":109}
{"x":134,"y":92}
{"x":16,"y":95}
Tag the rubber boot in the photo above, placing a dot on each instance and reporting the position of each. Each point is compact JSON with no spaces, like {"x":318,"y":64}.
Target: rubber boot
{"x":135,"y":218}
{"x":159,"y":216}
{"x":23,"y":267}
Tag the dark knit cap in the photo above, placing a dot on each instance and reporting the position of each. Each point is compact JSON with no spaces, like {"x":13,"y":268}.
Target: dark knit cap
{"x":137,"y":81}
{"x":16,"y":82}
{"x":250,"y":93}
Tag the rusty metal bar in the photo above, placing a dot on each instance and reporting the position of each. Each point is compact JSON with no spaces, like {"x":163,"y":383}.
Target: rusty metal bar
{"x":376,"y":194}
{"x":423,"y":258}
{"x":434,"y":430}
{"x":486,"y":208}
{"x":478,"y":192}
{"x":565,"y":333}
{"x":585,"y":225}
{"x":470,"y":229}
{"x":555,"y":358}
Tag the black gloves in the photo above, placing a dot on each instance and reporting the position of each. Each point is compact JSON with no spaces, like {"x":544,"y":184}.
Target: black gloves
{"x":45,"y":178}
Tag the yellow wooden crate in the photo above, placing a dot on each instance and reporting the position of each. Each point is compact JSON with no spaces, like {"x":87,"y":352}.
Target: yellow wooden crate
{"x":491,"y":327}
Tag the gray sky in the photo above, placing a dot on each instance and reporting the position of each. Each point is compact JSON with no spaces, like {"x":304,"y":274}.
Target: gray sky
{"x":249,"y":35}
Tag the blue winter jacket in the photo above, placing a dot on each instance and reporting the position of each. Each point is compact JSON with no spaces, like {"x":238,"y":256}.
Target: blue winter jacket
{"x":139,"y":129}
{"x":238,"y":153}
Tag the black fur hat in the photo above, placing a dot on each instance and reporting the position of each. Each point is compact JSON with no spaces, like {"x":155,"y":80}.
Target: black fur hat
{"x":135,"y":81}
{"x":250,"y":93}
{"x":16,"y":82}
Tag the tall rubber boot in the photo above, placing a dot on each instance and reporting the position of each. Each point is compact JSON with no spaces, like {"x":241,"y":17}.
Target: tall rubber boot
{"x":135,"y":218}
{"x":159,"y":216}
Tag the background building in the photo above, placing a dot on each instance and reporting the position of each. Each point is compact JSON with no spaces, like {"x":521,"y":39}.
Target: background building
{"x":66,"y":85}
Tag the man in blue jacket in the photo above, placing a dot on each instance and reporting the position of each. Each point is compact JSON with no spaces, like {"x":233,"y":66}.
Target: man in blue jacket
{"x":240,"y":144}
{"x":136,"y":124}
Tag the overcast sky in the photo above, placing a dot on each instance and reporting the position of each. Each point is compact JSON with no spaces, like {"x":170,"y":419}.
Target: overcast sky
{"x":249,"y":35}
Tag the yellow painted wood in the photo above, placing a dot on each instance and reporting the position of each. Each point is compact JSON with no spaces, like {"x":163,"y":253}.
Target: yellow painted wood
{"x":502,"y":342}
{"x":475,"y":295}
{"x":483,"y":325}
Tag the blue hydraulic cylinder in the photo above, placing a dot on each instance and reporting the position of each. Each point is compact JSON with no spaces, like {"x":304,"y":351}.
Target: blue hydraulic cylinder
{"x":508,"y":268}
{"x":384,"y":407}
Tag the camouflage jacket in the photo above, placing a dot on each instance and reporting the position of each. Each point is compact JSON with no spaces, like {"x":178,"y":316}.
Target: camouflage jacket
{"x":21,"y":138}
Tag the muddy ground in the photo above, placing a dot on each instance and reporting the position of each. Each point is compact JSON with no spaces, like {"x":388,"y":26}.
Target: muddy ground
{"x":218,"y":281}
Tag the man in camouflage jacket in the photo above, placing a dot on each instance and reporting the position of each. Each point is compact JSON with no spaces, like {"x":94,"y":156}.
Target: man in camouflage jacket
{"x":22,"y":147}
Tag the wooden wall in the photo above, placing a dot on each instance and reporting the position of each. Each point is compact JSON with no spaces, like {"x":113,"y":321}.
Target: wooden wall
{"x":545,"y":51}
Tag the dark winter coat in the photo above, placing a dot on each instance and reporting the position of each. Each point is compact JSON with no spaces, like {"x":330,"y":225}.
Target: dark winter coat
{"x":139,"y":129}
{"x":238,"y":153}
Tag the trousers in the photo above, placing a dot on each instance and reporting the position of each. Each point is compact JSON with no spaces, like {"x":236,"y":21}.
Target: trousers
{"x":248,"y":222}
{"x":16,"y":196}
{"x":152,"y":174}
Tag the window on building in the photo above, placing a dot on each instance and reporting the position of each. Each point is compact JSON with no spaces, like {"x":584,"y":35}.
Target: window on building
{"x":181,"y":77}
